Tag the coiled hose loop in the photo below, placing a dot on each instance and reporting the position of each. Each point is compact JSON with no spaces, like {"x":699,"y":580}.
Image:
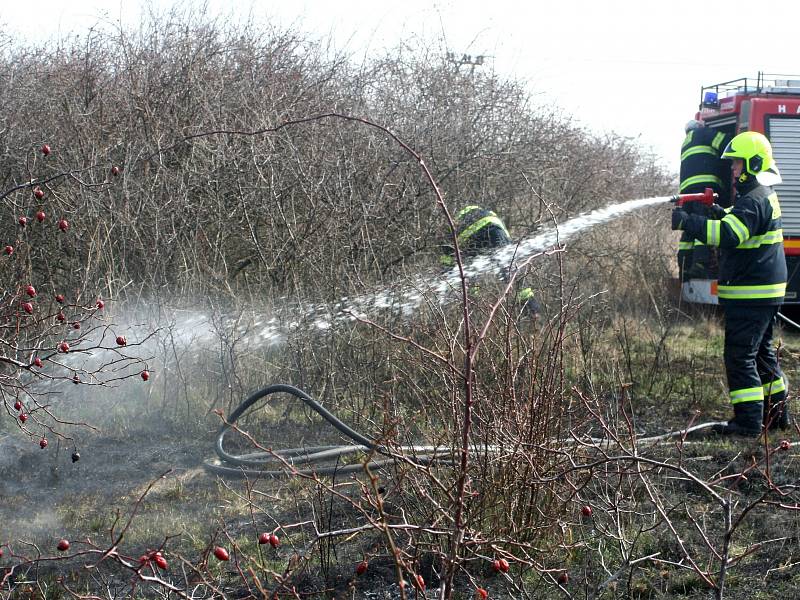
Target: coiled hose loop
{"x":258,"y":463}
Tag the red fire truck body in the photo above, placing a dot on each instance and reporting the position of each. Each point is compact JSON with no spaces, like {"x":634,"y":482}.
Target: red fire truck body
{"x":769,"y":104}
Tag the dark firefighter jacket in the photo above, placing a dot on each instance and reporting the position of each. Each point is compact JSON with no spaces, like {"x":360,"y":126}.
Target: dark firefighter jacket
{"x":701,"y":166}
{"x":752,"y":266}
{"x":480,"y":229}
{"x":477,"y":230}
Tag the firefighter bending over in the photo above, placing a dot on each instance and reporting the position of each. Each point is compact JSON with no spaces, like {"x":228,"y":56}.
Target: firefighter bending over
{"x":478,"y":231}
{"x":752,"y":284}
{"x":701,"y":168}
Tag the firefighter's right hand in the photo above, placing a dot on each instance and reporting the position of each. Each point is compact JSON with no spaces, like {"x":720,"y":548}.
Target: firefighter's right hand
{"x":679,"y":217}
{"x":716,"y":212}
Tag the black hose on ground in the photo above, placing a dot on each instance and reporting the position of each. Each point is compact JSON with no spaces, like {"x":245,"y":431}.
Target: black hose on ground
{"x":287,"y":460}
{"x":788,"y":320}
{"x":312,"y":459}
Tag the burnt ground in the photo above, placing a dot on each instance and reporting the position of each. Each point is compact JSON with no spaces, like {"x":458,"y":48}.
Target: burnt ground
{"x":47,"y":492}
{"x":46,"y":497}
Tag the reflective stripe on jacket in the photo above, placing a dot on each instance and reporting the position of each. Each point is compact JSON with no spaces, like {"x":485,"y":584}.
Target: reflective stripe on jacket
{"x":750,"y":237}
{"x":700,"y":160}
{"x":480,"y":229}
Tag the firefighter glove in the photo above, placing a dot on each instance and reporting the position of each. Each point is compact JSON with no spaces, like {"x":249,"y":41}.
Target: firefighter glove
{"x":716,"y":212}
{"x":679,"y":217}
{"x":694,"y":208}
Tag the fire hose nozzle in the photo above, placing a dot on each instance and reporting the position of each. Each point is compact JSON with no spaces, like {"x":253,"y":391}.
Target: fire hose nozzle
{"x":707,"y":197}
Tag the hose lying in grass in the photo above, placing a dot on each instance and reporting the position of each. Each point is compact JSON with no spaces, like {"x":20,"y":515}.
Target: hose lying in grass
{"x":788,"y":320}
{"x":324,"y":460}
{"x":299,"y":461}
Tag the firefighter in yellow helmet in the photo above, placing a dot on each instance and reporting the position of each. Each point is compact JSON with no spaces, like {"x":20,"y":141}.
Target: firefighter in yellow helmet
{"x":752,"y":284}
{"x":479,"y":230}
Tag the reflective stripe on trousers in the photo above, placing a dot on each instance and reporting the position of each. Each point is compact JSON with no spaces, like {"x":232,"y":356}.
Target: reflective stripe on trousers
{"x":751,"y":362}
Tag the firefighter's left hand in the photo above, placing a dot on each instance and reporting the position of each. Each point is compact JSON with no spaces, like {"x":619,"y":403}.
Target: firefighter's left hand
{"x":679,"y":217}
{"x":715,"y":211}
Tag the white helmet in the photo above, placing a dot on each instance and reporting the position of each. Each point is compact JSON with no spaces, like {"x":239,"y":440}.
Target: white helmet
{"x":693,"y":124}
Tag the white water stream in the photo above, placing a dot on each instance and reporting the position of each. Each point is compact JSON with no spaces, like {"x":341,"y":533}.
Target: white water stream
{"x":407,"y":297}
{"x":188,"y":328}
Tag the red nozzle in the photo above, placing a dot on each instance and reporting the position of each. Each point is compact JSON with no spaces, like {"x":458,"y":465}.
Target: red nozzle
{"x":707,"y":197}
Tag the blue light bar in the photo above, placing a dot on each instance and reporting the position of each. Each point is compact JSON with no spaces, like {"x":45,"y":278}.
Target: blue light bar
{"x":710,"y":98}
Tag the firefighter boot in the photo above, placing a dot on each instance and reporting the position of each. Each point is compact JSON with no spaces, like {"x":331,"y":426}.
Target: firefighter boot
{"x":747,"y":420}
{"x":777,"y":414}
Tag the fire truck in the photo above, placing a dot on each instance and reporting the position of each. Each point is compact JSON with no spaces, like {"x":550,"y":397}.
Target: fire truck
{"x":769,"y":104}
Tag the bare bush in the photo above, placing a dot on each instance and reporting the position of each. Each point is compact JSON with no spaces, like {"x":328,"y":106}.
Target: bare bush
{"x":290,"y":209}
{"x":257,"y":169}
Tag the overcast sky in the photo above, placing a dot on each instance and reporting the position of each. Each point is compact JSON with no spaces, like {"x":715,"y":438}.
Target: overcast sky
{"x":634,"y":67}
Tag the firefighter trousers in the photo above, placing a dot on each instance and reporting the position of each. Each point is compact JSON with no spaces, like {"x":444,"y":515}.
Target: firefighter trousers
{"x":751,"y":361}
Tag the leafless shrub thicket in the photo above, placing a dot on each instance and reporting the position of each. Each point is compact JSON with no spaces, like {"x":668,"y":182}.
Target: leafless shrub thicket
{"x":253,"y":165}
{"x":321,"y":207}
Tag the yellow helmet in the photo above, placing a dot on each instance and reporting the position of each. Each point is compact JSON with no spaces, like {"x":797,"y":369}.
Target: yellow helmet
{"x":756,"y":152}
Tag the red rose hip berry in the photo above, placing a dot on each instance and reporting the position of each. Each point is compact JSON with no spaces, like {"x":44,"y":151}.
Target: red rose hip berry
{"x":500,"y":565}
